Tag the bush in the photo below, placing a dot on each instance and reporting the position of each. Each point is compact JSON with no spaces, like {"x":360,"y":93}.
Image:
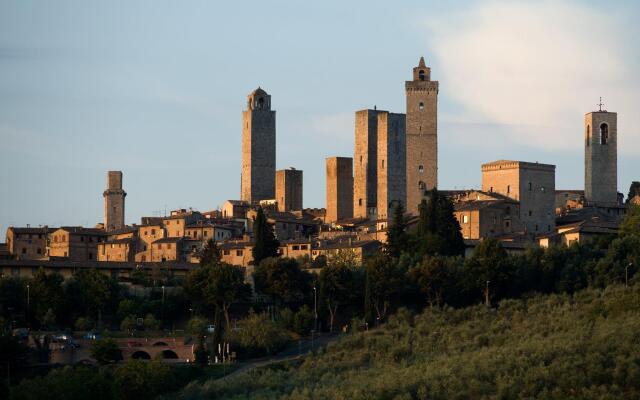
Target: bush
{"x":257,"y":335}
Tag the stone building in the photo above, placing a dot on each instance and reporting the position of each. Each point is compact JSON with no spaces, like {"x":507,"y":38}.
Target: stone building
{"x":365,"y":171}
{"x":114,"y":201}
{"x":258,"y":148}
{"x":495,"y":216}
{"x":421,"y":135}
{"x":28,"y":243}
{"x":391,"y":162}
{"x":532,"y":184}
{"x":289,"y":189}
{"x":76,"y":243}
{"x":601,"y":158}
{"x":235,"y":209}
{"x":339,"y":189}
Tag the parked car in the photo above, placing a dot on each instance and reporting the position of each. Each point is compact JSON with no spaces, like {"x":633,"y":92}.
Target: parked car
{"x":92,"y":336}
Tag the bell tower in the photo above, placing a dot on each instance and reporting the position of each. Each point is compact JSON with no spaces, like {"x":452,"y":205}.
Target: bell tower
{"x":601,"y":157}
{"x":421,"y":135}
{"x":114,"y":201}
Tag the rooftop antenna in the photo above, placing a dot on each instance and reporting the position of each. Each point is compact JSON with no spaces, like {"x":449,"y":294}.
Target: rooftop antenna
{"x":600,"y":104}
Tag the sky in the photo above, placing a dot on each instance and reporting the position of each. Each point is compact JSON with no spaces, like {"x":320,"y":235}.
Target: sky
{"x":156,"y":89}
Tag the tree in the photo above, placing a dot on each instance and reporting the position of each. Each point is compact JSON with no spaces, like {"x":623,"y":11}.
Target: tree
{"x":258,"y":334}
{"x":128,"y":324}
{"x":434,"y":277}
{"x":634,"y":190}
{"x":265,"y":245}
{"x":105,"y":351}
{"x":217,"y":286}
{"x":151,"y":323}
{"x":336,"y":288}
{"x":46,"y":296}
{"x":210,"y":253}
{"x":92,"y":290}
{"x":137,"y":379}
{"x":489,"y":268}
{"x":385,"y":279}
{"x":397,"y":238}
{"x":438,"y":230}
{"x":196,"y":326}
{"x":630,"y":225}
{"x":282,"y":280}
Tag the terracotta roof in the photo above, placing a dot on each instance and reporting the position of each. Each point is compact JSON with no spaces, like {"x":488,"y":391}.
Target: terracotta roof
{"x":41,"y":229}
{"x":168,"y":240}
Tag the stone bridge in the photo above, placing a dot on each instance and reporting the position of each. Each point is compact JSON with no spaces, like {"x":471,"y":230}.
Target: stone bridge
{"x":168,"y":349}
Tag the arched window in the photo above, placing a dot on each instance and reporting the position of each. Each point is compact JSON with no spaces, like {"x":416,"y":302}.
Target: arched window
{"x":588,"y":135}
{"x":421,"y":75}
{"x":260,"y":102}
{"x":421,"y":106}
{"x":604,"y":133}
{"x":420,"y":168}
{"x":422,"y":185}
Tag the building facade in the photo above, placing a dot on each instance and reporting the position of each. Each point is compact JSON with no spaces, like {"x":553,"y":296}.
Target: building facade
{"x":289,"y":189}
{"x":258,"y":148}
{"x":339,"y":182}
{"x":532,"y":184}
{"x":391,"y":162}
{"x":601,"y":158}
{"x":421,"y":136}
{"x":114,"y":201}
{"x":365,"y":171}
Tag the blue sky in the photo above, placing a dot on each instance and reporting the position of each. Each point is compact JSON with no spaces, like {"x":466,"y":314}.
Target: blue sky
{"x":156,"y":89}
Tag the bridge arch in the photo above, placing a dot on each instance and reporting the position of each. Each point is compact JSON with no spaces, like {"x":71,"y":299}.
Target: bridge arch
{"x":141,"y":355}
{"x":169,"y":355}
{"x":158,"y":344}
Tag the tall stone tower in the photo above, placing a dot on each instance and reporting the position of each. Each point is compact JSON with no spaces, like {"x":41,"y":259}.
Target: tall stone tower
{"x":422,"y":135}
{"x":114,"y":201}
{"x":289,"y":189}
{"x":258,"y":148}
{"x":365,"y":176}
{"x":339,"y":189}
{"x":392,"y":184}
{"x":601,"y":157}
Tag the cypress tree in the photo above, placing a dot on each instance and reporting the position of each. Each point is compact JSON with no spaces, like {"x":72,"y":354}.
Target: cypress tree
{"x":265,"y":244}
{"x":397,"y":240}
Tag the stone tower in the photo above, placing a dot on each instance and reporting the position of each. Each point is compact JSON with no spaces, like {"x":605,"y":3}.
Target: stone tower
{"x":339,"y":189}
{"x":422,"y":135}
{"x":114,"y":201}
{"x":258,"y":148}
{"x":601,"y":157}
{"x":392,"y":183}
{"x":289,"y":189}
{"x":365,"y":177}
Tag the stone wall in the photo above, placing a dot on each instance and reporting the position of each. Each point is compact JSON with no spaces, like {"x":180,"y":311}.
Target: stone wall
{"x":289,"y":190}
{"x":601,"y":160}
{"x":365,"y":172}
{"x":339,"y":189}
{"x":391,"y":163}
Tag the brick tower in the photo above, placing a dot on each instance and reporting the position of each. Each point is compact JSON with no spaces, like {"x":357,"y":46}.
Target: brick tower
{"x":422,"y":135}
{"x":114,"y":201}
{"x":365,"y":171}
{"x":258,"y":148}
{"x":601,"y":157}
{"x":289,"y":189}
{"x":339,"y":189}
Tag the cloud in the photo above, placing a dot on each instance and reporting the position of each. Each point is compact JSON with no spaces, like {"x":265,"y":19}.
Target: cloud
{"x":535,"y":67}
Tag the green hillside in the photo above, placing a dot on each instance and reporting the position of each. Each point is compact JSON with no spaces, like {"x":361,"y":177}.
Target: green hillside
{"x":581,"y":346}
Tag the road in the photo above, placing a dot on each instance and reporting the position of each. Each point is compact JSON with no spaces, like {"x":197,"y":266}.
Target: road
{"x":293,"y":352}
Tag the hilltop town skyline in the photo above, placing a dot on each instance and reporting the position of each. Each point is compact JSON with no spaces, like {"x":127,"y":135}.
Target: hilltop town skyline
{"x":182,"y":130}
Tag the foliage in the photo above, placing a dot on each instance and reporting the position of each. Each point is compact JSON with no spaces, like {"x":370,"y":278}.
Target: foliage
{"x":438,"y":231}
{"x":67,"y":383}
{"x":580,"y":346}
{"x":83,"y":324}
{"x":137,"y":379}
{"x":634,"y":190}
{"x":397,"y":237}
{"x":196,"y":326}
{"x":91,"y":292}
{"x":631,"y":223}
{"x":265,"y":245}
{"x":210,"y":253}
{"x":385,"y":280}
{"x":47,"y":298}
{"x":257,"y":334}
{"x":282,"y":280}
{"x":151,"y":323}
{"x":105,"y":351}
{"x":337,"y":287}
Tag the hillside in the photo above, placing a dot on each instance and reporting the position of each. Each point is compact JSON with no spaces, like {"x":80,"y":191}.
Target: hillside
{"x":581,"y":346}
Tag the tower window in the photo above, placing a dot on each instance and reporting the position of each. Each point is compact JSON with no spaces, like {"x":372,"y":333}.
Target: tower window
{"x":465,"y":219}
{"x":422,"y":185}
{"x":530,"y":186}
{"x":359,"y":202}
{"x":588,"y":135}
{"x":382,"y":164}
{"x":421,"y":168}
{"x":604,"y":133}
{"x":508,"y":188}
{"x":421,"y":106}
{"x":421,"y":75}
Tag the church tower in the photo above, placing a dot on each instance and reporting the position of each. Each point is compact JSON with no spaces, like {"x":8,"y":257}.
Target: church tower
{"x":114,"y":201}
{"x":421,"y":135}
{"x":601,"y":157}
{"x":258,"y":149}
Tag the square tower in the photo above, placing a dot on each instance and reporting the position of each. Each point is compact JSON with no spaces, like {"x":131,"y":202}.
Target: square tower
{"x":391,"y":173}
{"x":365,"y":177}
{"x":422,"y":135}
{"x":601,"y":158}
{"x":339,"y":189}
{"x":532,"y":184}
{"x":289,"y":189}
{"x":258,"y":149}
{"x":114,"y":201}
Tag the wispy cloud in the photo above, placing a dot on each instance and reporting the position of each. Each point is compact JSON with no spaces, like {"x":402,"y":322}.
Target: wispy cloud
{"x":536,"y":68}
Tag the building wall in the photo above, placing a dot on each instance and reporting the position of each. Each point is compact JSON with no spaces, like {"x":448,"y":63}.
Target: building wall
{"x":114,"y":201}
{"x":532,"y":184}
{"x":601,"y":160}
{"x":115,"y":252}
{"x":469,"y":226}
{"x":175,"y":227}
{"x":391,"y":172}
{"x":421,"y":136}
{"x":365,"y":175}
{"x":289,"y":190}
{"x":258,"y":148}
{"x":170,"y":251}
{"x":27,"y":246}
{"x":74,"y":247}
{"x":339,"y":189}
{"x":240,"y":256}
